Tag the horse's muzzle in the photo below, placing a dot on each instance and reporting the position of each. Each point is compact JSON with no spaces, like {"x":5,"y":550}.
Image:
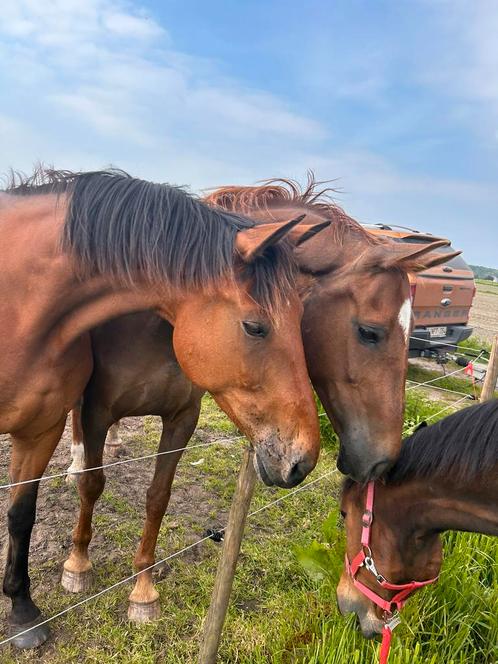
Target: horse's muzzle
{"x":350,"y":601}
{"x":362,"y":468}
{"x":284,"y":473}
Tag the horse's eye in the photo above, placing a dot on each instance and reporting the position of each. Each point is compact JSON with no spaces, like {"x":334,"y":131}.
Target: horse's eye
{"x":254,"y":329}
{"x":368,"y":335}
{"x":343,"y":514}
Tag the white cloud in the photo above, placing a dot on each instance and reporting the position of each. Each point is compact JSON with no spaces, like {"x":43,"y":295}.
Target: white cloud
{"x":86,"y":84}
{"x":362,"y":173}
{"x":106,"y":73}
{"x":464,"y":63}
{"x":135,"y":27}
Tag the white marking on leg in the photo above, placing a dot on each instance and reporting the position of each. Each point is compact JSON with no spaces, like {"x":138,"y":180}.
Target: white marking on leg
{"x":113,"y":441}
{"x":78,"y":460}
{"x":405,"y":317}
{"x":113,"y":436}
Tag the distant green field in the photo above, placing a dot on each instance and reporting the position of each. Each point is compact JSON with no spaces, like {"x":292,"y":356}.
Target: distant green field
{"x":487,"y":282}
{"x":484,"y":286}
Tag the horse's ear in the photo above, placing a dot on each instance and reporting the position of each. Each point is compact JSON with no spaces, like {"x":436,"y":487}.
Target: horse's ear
{"x":412,"y":255}
{"x":434,"y":259}
{"x":253,"y":242}
{"x":305,"y":232}
{"x":407,"y":257}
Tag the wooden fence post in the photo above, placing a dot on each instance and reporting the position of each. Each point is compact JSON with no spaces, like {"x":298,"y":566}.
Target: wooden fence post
{"x":228,"y":561}
{"x":489,"y":386}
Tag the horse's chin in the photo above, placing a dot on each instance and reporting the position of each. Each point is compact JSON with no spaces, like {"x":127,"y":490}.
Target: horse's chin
{"x":349,"y":601}
{"x":261,"y":471}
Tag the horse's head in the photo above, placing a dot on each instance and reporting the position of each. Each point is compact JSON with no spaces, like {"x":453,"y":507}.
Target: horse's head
{"x":245,"y":347}
{"x":401,"y":551}
{"x":357,"y":317}
{"x":356,"y":330}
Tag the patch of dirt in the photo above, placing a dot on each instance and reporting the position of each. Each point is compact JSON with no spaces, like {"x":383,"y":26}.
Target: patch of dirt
{"x":484,"y":314}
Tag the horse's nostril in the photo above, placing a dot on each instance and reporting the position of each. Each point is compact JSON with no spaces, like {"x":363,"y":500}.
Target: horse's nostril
{"x":298,"y":472}
{"x":295,"y":474}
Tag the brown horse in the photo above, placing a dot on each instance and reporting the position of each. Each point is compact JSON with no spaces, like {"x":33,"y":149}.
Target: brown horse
{"x":79,"y":249}
{"x":355,"y":327}
{"x":445,"y":479}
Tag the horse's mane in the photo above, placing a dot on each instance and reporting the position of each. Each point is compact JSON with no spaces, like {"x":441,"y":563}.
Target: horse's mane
{"x":460,"y":448}
{"x":314,"y":196}
{"x":130,"y":228}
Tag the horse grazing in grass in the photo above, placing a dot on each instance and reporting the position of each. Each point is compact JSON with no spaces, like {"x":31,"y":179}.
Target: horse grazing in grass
{"x":79,"y":249}
{"x":355,"y":328}
{"x":446,"y":478}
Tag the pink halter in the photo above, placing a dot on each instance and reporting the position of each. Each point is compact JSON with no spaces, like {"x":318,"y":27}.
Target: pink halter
{"x":364,"y":558}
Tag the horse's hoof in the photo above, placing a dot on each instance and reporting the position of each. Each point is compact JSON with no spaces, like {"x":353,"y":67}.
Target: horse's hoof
{"x":143,"y":612}
{"x":112,"y":449}
{"x":33,"y":638}
{"x":76,"y":582}
{"x":72,"y":479}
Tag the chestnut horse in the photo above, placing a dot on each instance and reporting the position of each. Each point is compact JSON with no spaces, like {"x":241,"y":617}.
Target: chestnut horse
{"x":79,"y":249}
{"x":446,"y":478}
{"x":355,"y":327}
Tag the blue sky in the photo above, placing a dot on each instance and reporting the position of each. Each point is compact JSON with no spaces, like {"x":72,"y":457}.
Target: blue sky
{"x":395,"y":100}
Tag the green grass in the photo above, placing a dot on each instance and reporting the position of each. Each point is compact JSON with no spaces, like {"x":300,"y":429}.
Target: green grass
{"x":420,"y":374}
{"x":473,"y":343}
{"x":278,"y":613}
{"x":492,"y":286}
{"x":454,"y":621}
{"x":456,"y":383}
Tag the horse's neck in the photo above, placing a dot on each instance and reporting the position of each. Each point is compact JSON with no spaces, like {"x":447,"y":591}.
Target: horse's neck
{"x":45,"y":310}
{"x":41,"y":296}
{"x":98,"y":300}
{"x":439,"y":506}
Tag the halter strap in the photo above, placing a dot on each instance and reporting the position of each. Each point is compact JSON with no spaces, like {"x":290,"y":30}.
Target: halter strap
{"x":367,"y":518}
{"x":364,"y":558}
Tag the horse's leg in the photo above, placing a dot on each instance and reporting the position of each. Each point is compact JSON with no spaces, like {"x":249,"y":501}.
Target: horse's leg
{"x":77,"y":447}
{"x":77,"y":573}
{"x":30,"y":457}
{"x":113,"y":442}
{"x":144,"y":598}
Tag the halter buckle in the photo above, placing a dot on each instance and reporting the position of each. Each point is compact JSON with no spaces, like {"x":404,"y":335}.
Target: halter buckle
{"x":393,"y":621}
{"x":370,"y":566}
{"x":366,"y":519}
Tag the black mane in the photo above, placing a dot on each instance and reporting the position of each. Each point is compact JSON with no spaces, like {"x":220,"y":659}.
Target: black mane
{"x":130,"y":228}
{"x":462,"y":446}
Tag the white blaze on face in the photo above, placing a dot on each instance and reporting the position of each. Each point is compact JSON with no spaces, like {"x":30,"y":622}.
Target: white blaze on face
{"x":405,"y":317}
